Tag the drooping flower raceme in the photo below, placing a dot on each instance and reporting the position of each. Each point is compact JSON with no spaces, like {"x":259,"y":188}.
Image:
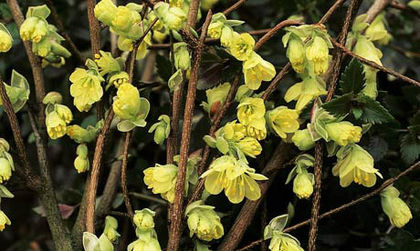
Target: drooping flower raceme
{"x":130,"y":108}
{"x":145,"y":232}
{"x":162,"y":179}
{"x":395,"y":208}
{"x":256,"y":70}
{"x":233,"y":176}
{"x":283,"y":120}
{"x":355,"y":164}
{"x":86,"y":86}
{"x":203,"y":221}
{"x":303,"y":180}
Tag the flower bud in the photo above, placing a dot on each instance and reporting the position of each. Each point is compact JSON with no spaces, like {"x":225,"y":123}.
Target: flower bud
{"x":204,"y":222}
{"x":303,"y":184}
{"x":344,"y":132}
{"x":395,"y":208}
{"x":143,"y":219}
{"x":127,"y":103}
{"x":162,"y":179}
{"x":161,"y":129}
{"x":303,"y":140}
{"x":6,"y":39}
{"x":5,"y":170}
{"x":52,"y":98}
{"x":4,"y":220}
{"x":216,"y":97}
{"x":296,"y":54}
{"x":250,"y":146}
{"x":105,"y":11}
{"x":242,"y":46}
{"x":181,"y":56}
{"x":283,"y":120}
{"x":256,"y":70}
{"x":110,"y":230}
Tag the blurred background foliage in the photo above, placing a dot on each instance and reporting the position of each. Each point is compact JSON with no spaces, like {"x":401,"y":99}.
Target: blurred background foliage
{"x":364,"y":227}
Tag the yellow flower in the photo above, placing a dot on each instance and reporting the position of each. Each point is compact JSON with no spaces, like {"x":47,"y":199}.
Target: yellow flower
{"x":233,"y":176}
{"x":5,"y":170}
{"x":284,"y":242}
{"x":303,"y":92}
{"x":227,"y":36}
{"x":250,"y":109}
{"x":6,"y":40}
{"x":162,"y":179}
{"x":117,"y":79}
{"x":203,"y":222}
{"x":355,"y":164}
{"x":81,"y":163}
{"x":149,"y":243}
{"x":86,"y":88}
{"x":317,"y":54}
{"x":216,"y":97}
{"x":110,"y":229}
{"x":395,"y":208}
{"x":256,"y":129}
{"x":106,"y":63}
{"x":250,"y":146}
{"x":215,"y":29}
{"x":80,"y":134}
{"x":124,"y":20}
{"x":256,"y":70}
{"x":125,"y":44}
{"x":377,"y":31}
{"x":283,"y":120}
{"x":234,"y":131}
{"x":303,"y":184}
{"x":303,"y":140}
{"x":344,"y":132}
{"x":4,"y":220}
{"x":33,"y":29}
{"x":130,"y":108}
{"x":57,"y":118}
{"x":143,"y":219}
{"x":105,"y":11}
{"x":242,"y":46}
{"x":296,"y":54}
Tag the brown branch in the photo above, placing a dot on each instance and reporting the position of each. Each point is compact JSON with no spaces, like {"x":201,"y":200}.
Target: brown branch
{"x":177,"y":211}
{"x":267,"y":36}
{"x":73,"y":48}
{"x":94,"y":28}
{"x":343,"y":207}
{"x":124,"y":175}
{"x":316,"y":201}
{"x":280,"y":156}
{"x":375,"y":65}
{"x":273,"y":85}
{"x":233,"y":7}
{"x":330,"y":11}
{"x":375,"y":9}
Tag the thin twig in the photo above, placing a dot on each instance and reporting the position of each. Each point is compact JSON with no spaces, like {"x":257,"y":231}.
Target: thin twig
{"x":94,"y":27}
{"x":273,"y":85}
{"x":73,"y":48}
{"x":124,"y":175}
{"x":375,"y":65}
{"x":233,"y":7}
{"x":330,"y":11}
{"x":274,"y":31}
{"x":377,"y":7}
{"x":177,"y":212}
{"x":343,"y":207}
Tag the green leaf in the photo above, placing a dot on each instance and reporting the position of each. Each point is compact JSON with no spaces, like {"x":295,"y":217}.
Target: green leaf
{"x":41,"y":11}
{"x":340,"y":106}
{"x":373,"y":111}
{"x":164,"y":67}
{"x":410,"y":148}
{"x":352,"y":79}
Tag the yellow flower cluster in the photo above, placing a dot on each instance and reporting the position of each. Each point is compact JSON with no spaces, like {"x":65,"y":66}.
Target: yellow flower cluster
{"x":145,"y":232}
{"x":46,"y":42}
{"x":57,"y":116}
{"x":235,"y":177}
{"x":364,"y":46}
{"x":251,"y":113}
{"x":303,"y":180}
{"x":241,"y":46}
